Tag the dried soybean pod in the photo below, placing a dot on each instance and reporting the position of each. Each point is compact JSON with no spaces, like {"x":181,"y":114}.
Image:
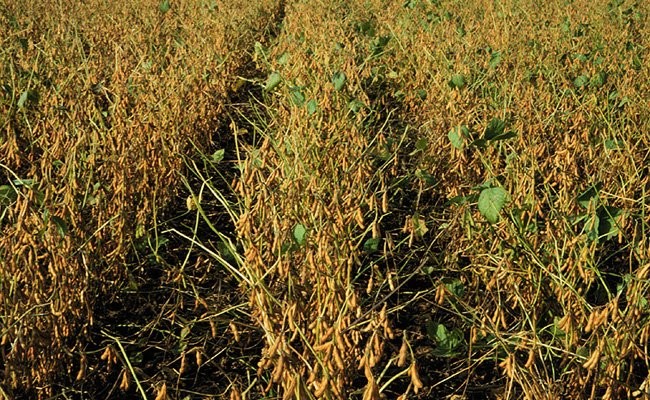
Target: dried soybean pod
{"x":401,"y":358}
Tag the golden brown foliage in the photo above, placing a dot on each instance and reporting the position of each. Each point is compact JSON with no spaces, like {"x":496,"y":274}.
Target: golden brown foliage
{"x":535,"y":271}
{"x":99,"y":101}
{"x":310,"y":173}
{"x":538,"y":263}
{"x":364,"y":250}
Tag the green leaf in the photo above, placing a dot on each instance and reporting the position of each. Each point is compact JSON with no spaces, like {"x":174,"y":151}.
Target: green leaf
{"x":164,"y":6}
{"x":312,"y":107}
{"x":410,"y":4}
{"x":185,"y":331}
{"x":162,"y":241}
{"x":491,"y":201}
{"x":480,"y":187}
{"x":566,"y":25}
{"x":581,"y":57}
{"x":338,"y":79}
{"x":504,"y":136}
{"x":272,"y":81}
{"x":297,"y":97}
{"x":218,"y":155}
{"x":582,"y":351}
{"x":442,"y":334}
{"x":428,"y":269}
{"x":378,"y":45}
{"x":455,"y":286}
{"x":24,"y":96}
{"x":581,"y":81}
{"x":226,"y":251}
{"x":598,"y":80}
{"x":7,"y":195}
{"x":140,"y":231}
{"x":495,"y":59}
{"x":447,"y":341}
{"x":608,"y":228}
{"x":480,"y":143}
{"x":457,"y":136}
{"x":555,"y":328}
{"x":457,"y":81}
{"x":622,"y":285}
{"x":299,"y":233}
{"x":422,"y":144}
{"x":61,"y":225}
{"x":259,"y":50}
{"x":365,"y":27}
{"x":494,"y":129}
{"x":91,"y":200}
{"x":371,"y":245}
{"x":589,"y":195}
{"x":611,"y":144}
{"x":182,"y":342}
{"x":24,"y":182}
{"x":425,"y":176}
{"x":459,"y":200}
{"x":283,"y":58}
{"x":355,"y":105}
{"x":593,"y":227}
